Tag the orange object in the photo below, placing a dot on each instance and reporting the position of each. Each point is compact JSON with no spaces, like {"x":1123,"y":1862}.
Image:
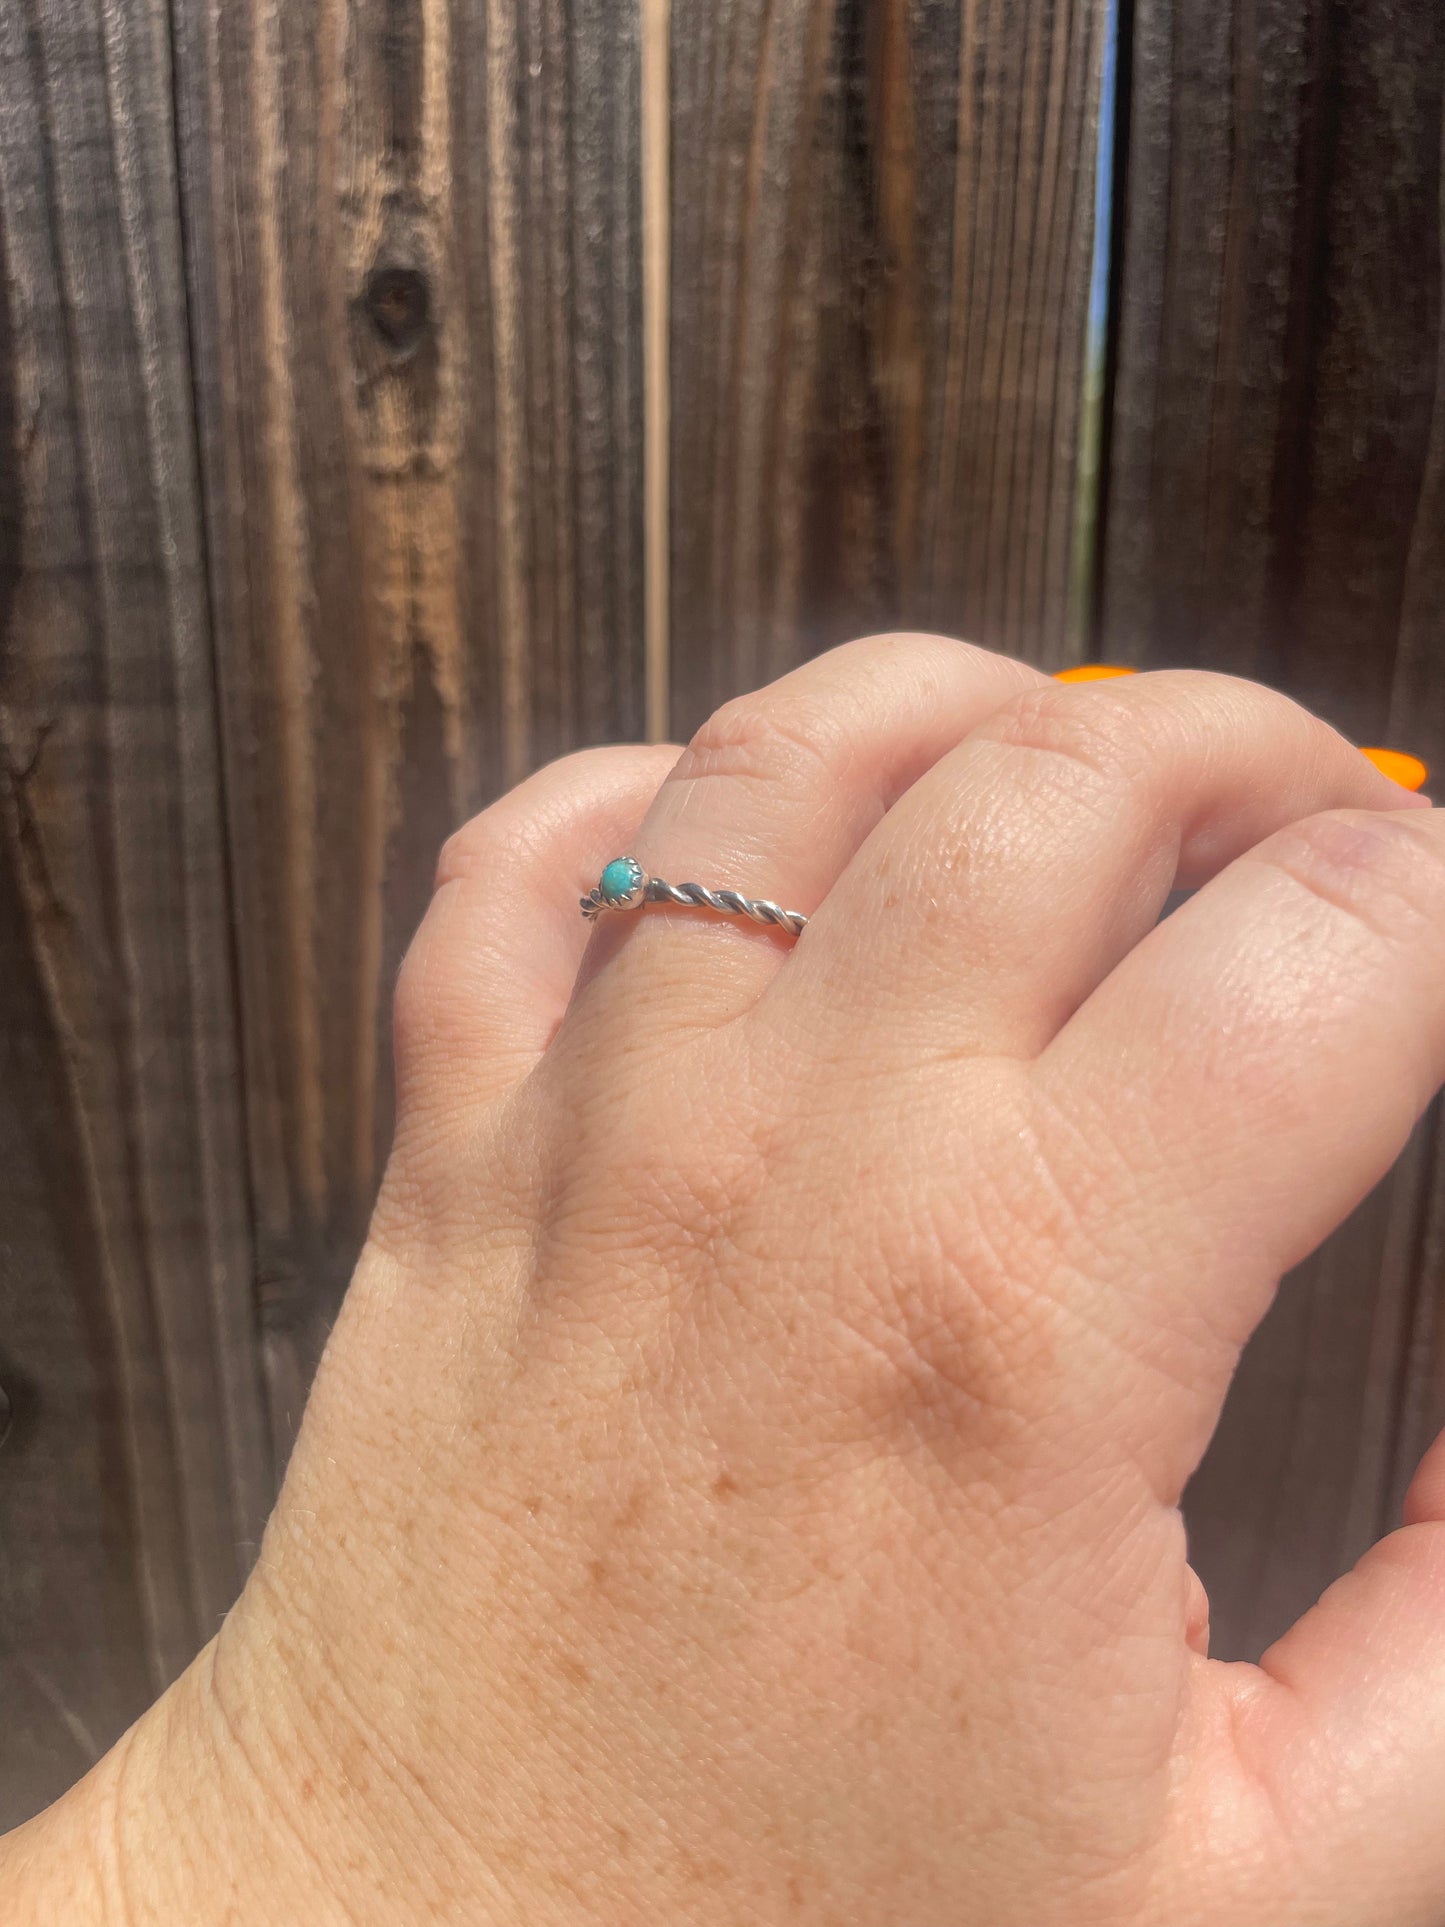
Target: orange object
{"x":1406,"y":770}
{"x":1092,"y":672}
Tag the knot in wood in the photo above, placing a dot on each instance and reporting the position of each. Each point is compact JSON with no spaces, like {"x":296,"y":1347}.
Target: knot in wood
{"x":397,"y":302}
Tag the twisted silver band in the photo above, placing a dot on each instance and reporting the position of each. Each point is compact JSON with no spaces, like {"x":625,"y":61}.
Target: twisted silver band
{"x":625,"y":885}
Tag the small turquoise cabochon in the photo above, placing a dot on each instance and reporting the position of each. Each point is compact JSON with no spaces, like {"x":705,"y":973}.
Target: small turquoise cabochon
{"x":622,"y":880}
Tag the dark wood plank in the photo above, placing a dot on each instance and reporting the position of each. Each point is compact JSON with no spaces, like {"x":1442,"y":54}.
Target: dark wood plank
{"x":881,"y":241}
{"x":135,"y":1478}
{"x":415,"y":262}
{"x":1276,"y":508}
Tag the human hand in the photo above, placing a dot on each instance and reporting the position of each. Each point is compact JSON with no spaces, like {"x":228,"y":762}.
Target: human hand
{"x":742,"y":1485}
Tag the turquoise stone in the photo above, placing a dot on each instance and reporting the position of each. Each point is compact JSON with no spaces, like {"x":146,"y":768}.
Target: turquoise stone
{"x":620,"y":879}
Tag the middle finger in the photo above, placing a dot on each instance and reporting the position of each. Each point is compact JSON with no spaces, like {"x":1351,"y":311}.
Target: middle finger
{"x":1012,"y":877}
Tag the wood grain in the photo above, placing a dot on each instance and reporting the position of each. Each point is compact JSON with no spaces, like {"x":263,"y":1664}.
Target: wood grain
{"x":882,"y":234}
{"x":414,"y":236}
{"x":135,"y":1478}
{"x":1276,"y":508}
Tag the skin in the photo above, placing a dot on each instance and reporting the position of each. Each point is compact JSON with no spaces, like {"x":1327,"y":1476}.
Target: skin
{"x":742,"y":1485}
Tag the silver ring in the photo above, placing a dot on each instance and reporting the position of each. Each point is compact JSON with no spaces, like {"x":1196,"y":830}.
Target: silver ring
{"x":625,"y":885}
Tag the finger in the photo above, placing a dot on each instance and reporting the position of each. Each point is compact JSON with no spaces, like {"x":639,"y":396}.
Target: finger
{"x":772,"y":798}
{"x":1017,"y":872}
{"x":1244,"y":1077}
{"x":489,"y":972}
{"x":1344,"y":1725}
{"x":1402,"y":768}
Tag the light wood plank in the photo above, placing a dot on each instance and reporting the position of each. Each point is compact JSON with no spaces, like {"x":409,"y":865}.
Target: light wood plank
{"x":415,"y":243}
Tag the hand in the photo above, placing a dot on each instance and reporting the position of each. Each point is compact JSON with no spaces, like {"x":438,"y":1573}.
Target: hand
{"x":742,"y":1486}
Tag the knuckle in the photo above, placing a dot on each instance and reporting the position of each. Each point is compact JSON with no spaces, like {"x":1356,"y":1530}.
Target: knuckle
{"x":1090,"y":736}
{"x":1215,"y":689}
{"x":413,"y":995}
{"x":435,"y":1012}
{"x":757,"y":737}
{"x":1385,"y":871}
{"x":1207,"y":706}
{"x":469,"y":848}
{"x":423,"y":1013}
{"x":1123,"y":737}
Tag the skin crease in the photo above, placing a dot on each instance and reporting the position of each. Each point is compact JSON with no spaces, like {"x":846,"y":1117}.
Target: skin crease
{"x":742,"y":1484}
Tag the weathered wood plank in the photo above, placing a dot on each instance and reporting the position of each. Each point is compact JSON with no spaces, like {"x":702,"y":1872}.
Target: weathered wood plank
{"x":1275,"y":496}
{"x":134,"y":1482}
{"x":1276,"y":507}
{"x":414,"y":239}
{"x":881,"y":241}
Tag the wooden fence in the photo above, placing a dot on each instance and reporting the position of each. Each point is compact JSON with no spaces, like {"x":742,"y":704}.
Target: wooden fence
{"x":394,"y":393}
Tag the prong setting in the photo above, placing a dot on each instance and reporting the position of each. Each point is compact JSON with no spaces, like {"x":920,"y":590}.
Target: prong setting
{"x":622,"y":886}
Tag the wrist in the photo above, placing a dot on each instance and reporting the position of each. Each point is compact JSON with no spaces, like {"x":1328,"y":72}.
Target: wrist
{"x":198,"y":1815}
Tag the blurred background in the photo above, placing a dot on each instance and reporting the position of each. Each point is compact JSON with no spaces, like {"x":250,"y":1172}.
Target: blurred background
{"x":396,"y":393}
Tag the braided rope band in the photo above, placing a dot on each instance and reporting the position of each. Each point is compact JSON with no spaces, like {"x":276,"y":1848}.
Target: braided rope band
{"x":625,"y":885}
